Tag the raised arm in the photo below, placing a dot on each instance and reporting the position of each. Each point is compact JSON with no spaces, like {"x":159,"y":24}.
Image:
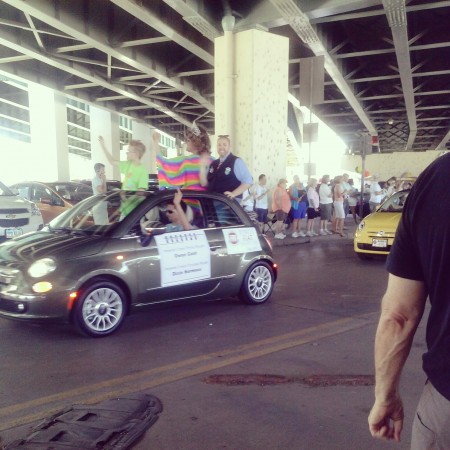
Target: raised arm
{"x":181,"y":214}
{"x":154,"y":143}
{"x":109,"y":156}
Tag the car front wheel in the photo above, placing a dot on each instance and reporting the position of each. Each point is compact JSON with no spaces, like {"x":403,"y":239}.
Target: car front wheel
{"x":258,"y":284}
{"x":101,"y":309}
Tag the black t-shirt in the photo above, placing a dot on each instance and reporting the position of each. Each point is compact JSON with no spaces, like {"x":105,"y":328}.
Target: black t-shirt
{"x":421,"y":251}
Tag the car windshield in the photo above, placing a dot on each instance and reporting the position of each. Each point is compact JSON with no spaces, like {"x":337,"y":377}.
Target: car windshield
{"x":98,"y":214}
{"x":395,"y":202}
{"x":5,"y":191}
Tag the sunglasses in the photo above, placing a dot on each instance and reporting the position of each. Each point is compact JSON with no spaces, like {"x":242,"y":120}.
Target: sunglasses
{"x":223,"y":136}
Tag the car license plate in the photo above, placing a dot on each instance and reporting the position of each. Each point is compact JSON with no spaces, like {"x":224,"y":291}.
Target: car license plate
{"x":13,"y":232}
{"x":380,"y":243}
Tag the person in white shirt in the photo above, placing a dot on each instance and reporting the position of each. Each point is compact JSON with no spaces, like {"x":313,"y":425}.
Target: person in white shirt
{"x":376,"y":194}
{"x":261,"y":201}
{"x":325,"y":205}
{"x":100,"y":211}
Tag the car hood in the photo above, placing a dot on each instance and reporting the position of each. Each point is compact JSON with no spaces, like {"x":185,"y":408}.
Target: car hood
{"x":382,"y":221}
{"x":43,"y":244}
{"x":13,"y":202}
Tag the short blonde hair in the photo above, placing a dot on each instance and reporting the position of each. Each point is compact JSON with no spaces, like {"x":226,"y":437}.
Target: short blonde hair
{"x":138,"y":146}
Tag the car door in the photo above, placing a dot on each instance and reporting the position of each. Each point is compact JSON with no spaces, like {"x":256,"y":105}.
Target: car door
{"x":47,"y":201}
{"x":174,"y":265}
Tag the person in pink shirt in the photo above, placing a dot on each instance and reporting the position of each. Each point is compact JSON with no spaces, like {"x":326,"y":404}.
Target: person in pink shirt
{"x":281,"y":204}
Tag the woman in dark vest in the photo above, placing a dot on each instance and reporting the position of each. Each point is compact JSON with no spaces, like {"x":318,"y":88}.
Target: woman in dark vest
{"x":228,"y":174}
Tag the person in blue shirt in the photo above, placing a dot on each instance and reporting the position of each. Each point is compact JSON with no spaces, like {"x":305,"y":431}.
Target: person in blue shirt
{"x":228,"y":174}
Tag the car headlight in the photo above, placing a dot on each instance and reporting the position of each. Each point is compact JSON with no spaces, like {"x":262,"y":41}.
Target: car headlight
{"x":35,"y":210}
{"x":41,"y":267}
{"x":361,"y":225}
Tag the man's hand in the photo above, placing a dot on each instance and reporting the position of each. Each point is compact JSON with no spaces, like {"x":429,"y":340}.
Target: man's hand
{"x":229,"y":194}
{"x":386,"y":419}
{"x":156,"y":137}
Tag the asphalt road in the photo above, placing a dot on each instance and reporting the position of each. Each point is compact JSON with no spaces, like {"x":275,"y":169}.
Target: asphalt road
{"x":320,"y":321}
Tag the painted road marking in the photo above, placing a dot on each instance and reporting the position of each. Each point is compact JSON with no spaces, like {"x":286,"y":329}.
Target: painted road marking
{"x":45,"y":406}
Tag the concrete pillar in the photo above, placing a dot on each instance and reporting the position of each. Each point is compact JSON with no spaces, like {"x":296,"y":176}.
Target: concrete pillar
{"x":143,"y":132}
{"x":104,"y":123}
{"x":48,"y":127}
{"x":261,"y":62}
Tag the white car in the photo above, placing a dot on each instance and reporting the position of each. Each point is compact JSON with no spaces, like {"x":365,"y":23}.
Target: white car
{"x":17,"y":215}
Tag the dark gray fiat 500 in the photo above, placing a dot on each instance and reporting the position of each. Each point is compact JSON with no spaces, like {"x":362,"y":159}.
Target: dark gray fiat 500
{"x":115,"y":253}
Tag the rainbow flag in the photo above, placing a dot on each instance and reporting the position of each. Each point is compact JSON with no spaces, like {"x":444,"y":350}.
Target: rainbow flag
{"x":181,"y":171}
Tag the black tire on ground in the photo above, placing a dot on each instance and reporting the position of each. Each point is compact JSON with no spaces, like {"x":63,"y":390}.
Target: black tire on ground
{"x":100,"y":310}
{"x":258,"y":282}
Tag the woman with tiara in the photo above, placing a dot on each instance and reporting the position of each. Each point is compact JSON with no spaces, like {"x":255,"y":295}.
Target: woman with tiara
{"x":185,"y":171}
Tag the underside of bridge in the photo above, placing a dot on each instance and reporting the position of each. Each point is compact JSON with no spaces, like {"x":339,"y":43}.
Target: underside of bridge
{"x":387,"y":62}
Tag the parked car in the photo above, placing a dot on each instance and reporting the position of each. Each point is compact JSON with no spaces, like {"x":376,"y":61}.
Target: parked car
{"x":153,"y":184}
{"x":110,"y":184}
{"x":17,"y":215}
{"x":92,"y":275}
{"x":53,"y":198}
{"x":375,"y":233}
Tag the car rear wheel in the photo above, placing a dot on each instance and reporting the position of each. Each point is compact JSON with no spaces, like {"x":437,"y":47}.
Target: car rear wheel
{"x":101,"y":309}
{"x":257,"y":286}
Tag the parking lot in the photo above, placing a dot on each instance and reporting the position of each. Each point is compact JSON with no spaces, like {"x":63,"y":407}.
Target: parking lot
{"x":320,"y":321}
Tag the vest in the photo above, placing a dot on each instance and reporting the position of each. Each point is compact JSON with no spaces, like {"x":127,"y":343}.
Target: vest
{"x":221,"y":177}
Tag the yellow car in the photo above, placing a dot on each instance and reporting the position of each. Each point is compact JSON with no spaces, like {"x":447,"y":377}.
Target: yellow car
{"x":376,"y":232}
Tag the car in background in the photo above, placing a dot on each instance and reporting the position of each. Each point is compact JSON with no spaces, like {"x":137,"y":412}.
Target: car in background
{"x":375,"y":233}
{"x":53,"y":198}
{"x":92,"y":272}
{"x":110,"y":184}
{"x":153,"y":183}
{"x":17,"y":215}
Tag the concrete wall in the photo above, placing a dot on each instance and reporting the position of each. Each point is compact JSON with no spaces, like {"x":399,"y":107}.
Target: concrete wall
{"x":392,"y":164}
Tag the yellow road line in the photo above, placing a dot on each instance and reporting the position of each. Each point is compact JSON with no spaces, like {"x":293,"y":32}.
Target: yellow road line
{"x":151,"y":378}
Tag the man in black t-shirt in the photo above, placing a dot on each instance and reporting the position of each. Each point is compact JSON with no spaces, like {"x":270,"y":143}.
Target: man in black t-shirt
{"x":418,"y":265}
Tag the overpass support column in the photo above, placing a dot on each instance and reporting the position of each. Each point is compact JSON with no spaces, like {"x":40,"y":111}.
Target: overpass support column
{"x":105,"y":123}
{"x":260,"y":99}
{"x":49,"y":132}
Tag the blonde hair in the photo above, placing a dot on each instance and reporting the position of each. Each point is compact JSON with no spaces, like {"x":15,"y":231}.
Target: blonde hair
{"x":138,"y":146}
{"x":312,"y":182}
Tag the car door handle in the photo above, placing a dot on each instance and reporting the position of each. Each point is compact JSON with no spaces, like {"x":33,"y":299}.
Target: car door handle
{"x":214,"y":247}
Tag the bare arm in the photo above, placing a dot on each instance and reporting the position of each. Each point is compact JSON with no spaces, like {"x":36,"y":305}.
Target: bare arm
{"x":177,"y":202}
{"x":101,"y":189}
{"x":238,"y":191}
{"x":401,"y":310}
{"x":109,"y":156}
{"x":156,"y":137}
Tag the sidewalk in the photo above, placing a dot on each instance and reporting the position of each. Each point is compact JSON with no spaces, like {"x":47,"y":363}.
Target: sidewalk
{"x":349,"y":230}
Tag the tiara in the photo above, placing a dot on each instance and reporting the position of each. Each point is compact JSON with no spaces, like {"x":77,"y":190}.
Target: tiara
{"x":195,"y":130}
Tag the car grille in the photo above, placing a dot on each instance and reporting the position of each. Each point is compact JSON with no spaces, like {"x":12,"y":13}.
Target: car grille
{"x":13,"y":211}
{"x":7,"y":276}
{"x":5,"y":223}
{"x":374,"y":249}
